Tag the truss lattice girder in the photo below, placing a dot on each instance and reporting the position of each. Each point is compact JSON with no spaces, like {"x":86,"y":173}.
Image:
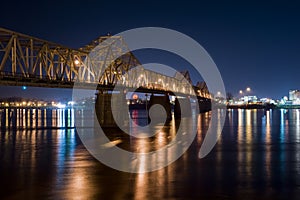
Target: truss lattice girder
{"x":26,"y":56}
{"x":140,"y":77}
{"x":109,"y":60}
{"x":106,"y":61}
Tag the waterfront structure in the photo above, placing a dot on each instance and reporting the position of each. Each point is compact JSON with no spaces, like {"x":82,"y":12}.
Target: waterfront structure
{"x":294,"y":97}
{"x":249,"y":99}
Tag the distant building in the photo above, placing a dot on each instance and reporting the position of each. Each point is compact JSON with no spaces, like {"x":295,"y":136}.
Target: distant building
{"x":249,"y":99}
{"x":267,"y":100}
{"x":294,"y":95}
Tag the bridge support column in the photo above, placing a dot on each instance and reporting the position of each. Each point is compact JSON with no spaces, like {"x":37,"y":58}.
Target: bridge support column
{"x":182,"y":108}
{"x":164,"y":101}
{"x":204,"y":104}
{"x":104,"y":109}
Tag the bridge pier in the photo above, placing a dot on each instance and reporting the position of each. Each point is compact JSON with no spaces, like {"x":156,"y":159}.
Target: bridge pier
{"x":164,"y":101}
{"x":204,"y":104}
{"x":104,"y":112}
{"x":185,"y":104}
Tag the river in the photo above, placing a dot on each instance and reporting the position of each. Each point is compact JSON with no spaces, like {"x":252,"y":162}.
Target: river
{"x":257,"y":156}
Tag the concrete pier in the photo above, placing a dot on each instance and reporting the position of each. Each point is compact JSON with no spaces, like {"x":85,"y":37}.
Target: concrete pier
{"x":204,"y":104}
{"x":104,"y":109}
{"x":182,"y":107}
{"x":164,"y":101}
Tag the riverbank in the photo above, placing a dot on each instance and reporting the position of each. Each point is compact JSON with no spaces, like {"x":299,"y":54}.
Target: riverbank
{"x":263,"y":106}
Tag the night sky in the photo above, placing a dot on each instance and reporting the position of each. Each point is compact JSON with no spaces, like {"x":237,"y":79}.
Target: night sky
{"x":254,"y":44}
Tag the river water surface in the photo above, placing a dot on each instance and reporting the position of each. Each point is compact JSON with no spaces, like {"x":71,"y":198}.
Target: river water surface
{"x":257,"y":156}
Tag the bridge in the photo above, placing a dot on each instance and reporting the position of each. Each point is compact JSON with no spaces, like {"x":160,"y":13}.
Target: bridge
{"x":105,"y":62}
{"x":26,"y":60}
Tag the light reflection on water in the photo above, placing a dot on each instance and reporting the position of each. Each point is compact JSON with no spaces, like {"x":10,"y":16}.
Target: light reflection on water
{"x":35,"y":118}
{"x":258,"y":153}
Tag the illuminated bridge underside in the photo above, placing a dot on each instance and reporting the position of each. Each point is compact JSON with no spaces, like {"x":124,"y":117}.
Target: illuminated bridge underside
{"x":105,"y":62}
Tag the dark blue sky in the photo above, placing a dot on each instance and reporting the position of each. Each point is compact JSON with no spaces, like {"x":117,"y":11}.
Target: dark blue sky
{"x":253,"y":43}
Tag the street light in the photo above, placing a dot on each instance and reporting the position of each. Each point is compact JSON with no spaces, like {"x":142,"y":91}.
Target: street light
{"x":248,"y":89}
{"x":241,"y":91}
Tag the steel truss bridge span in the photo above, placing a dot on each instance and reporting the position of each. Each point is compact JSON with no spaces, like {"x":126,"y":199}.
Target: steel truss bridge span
{"x":105,"y":62}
